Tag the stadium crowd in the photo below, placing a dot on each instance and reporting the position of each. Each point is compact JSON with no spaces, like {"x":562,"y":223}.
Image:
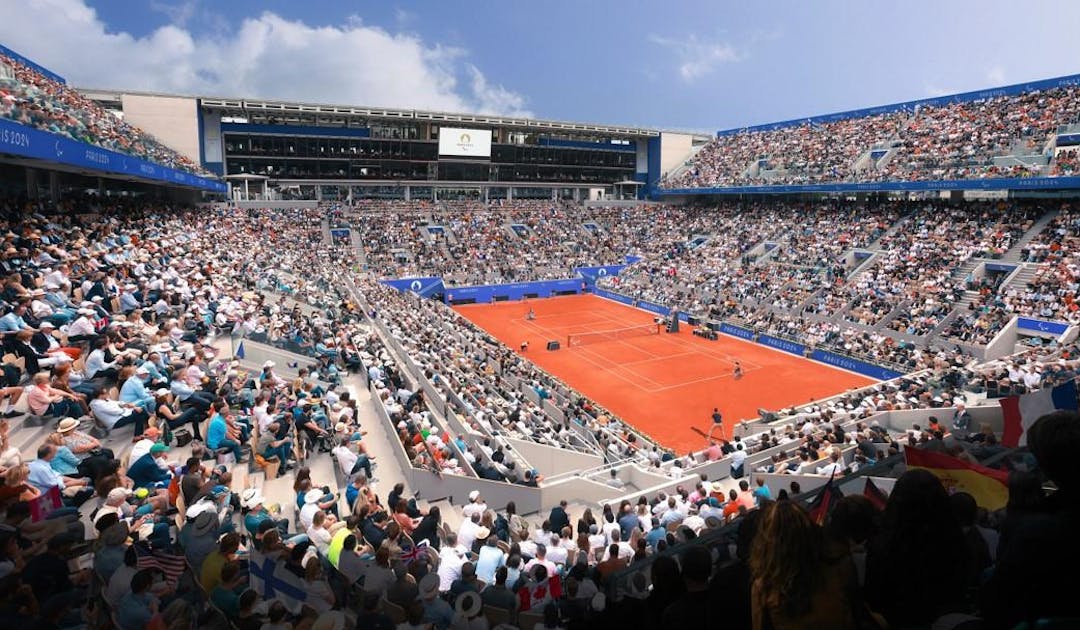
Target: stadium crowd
{"x":958,"y":140}
{"x":32,"y":99}
{"x":135,"y":299}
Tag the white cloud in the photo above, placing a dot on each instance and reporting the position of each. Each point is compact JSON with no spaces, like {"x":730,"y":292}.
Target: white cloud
{"x":697,"y":57}
{"x":179,"y":14}
{"x":266,"y":56}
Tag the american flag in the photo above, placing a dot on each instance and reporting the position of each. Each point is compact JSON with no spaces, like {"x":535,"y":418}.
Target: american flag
{"x":169,"y":564}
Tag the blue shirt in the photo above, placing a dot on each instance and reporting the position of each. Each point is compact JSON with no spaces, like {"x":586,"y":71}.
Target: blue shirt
{"x":181,"y":390}
{"x":145,"y":472}
{"x":42,"y":476}
{"x":134,"y":391}
{"x":438,"y":613}
{"x":215,"y":433}
{"x":655,"y":535}
{"x":133,"y":611}
{"x":12,"y":323}
{"x":65,"y":462}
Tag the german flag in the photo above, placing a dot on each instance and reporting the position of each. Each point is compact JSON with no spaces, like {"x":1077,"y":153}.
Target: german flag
{"x":823,"y":503}
{"x":875,"y":494}
{"x":990,"y":487}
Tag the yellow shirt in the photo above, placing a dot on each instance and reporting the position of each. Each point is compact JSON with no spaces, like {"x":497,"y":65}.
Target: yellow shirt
{"x":210,"y":573}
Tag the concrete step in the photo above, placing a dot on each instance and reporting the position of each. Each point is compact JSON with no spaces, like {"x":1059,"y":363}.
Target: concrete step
{"x":1013,"y":255}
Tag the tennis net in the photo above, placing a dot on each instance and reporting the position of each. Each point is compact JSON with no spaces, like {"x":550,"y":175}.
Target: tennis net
{"x":614,"y":334}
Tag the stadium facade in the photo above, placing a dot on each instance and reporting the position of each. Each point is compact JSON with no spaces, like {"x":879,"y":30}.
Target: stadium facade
{"x":277,"y":150}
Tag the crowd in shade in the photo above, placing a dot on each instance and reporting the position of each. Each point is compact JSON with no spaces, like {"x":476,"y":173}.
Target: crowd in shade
{"x":470,"y":243}
{"x":30,"y":98}
{"x":958,"y":140}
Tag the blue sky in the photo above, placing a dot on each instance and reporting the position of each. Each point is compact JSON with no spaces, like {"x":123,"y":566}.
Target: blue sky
{"x":695,"y":65}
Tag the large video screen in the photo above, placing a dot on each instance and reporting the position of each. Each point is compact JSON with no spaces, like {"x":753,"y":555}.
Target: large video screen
{"x":475,"y":143}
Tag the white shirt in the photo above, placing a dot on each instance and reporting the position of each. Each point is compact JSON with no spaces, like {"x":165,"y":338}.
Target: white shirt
{"x":607,"y":528}
{"x":556,"y":554}
{"x":473,"y":508}
{"x":307,"y":513}
{"x":142,"y":447}
{"x":262,"y":417}
{"x":320,"y":537}
{"x":450,"y":562}
{"x":832,"y":469}
{"x":345,"y":457}
{"x":467,"y":533}
{"x":109,"y":412}
{"x":737,"y":458}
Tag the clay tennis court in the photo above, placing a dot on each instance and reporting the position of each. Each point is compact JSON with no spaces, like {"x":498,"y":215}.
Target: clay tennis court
{"x":664,"y":384}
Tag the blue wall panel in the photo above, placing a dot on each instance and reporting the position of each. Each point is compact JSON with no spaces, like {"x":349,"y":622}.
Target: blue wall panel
{"x":29,"y":142}
{"x":516,"y":291}
{"x":1038,"y":325}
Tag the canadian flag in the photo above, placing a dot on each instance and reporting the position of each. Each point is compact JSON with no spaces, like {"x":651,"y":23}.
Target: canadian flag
{"x":536,"y":595}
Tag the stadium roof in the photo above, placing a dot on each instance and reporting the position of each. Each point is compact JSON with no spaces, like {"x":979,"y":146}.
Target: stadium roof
{"x":294,"y":112}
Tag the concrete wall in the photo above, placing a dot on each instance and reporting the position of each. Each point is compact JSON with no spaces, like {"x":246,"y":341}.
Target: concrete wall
{"x":902,"y":420}
{"x":550,"y":460}
{"x":674,"y":150}
{"x":171,"y":119}
{"x":577,"y":490}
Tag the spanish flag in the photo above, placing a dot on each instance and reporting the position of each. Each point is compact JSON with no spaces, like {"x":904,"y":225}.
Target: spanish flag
{"x":990,"y":487}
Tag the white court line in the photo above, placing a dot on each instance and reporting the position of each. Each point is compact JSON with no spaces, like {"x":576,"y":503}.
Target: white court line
{"x":695,"y":347}
{"x":620,"y":366}
{"x":604,"y":368}
{"x":812,"y":362}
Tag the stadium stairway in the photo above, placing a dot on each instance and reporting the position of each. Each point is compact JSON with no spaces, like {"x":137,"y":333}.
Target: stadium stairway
{"x":326,"y":236}
{"x":895,"y":312}
{"x":893,"y":229}
{"x":1014,"y":253}
{"x":358,"y":245}
{"x":1021,"y":278}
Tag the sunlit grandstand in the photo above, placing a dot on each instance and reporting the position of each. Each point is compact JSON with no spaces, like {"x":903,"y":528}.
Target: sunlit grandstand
{"x":272,"y":364}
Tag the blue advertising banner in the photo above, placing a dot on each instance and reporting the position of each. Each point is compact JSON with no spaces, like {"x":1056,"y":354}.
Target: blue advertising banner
{"x":1001,"y":183}
{"x":736,"y":331}
{"x":592,"y":274}
{"x":854,"y":365}
{"x":26,"y":141}
{"x":659,"y":309}
{"x":516,"y":291}
{"x":1008,"y":90}
{"x":424,"y":287}
{"x":822,"y":356}
{"x":782,"y":344}
{"x":615,"y":297}
{"x":999,"y":267}
{"x":630,"y":259}
{"x":340,"y":232}
{"x":1038,"y":325}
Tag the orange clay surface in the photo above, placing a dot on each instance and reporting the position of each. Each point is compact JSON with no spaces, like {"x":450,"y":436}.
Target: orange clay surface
{"x":666,"y":385}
